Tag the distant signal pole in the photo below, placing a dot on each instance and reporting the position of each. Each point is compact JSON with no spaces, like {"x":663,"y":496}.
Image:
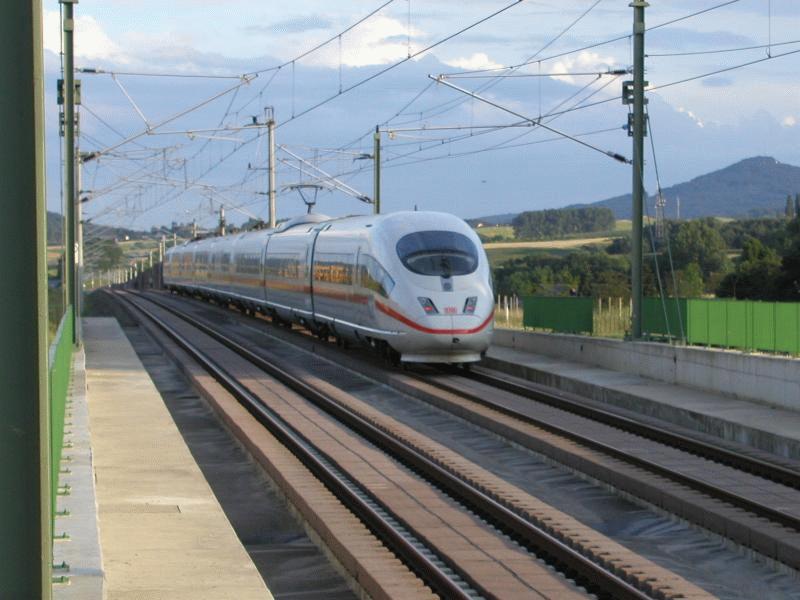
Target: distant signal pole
{"x":271,"y":136}
{"x":633,"y":93}
{"x":376,"y":157}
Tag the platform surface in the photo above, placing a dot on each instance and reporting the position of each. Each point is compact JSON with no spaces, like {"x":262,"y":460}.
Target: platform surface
{"x":761,"y":426}
{"x":77,"y":548}
{"x":162,"y":532}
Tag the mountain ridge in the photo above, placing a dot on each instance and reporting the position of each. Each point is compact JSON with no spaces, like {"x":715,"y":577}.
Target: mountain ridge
{"x":752,"y":187}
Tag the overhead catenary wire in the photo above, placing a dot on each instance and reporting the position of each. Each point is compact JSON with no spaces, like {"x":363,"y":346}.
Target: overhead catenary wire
{"x":591,"y":46}
{"x":668,"y":243}
{"x":353,"y":86}
{"x":323,"y":43}
{"x":215,"y":162}
{"x":723,"y":70}
{"x":400,"y":62}
{"x":722,"y":50}
{"x":451,"y":104}
{"x":113,"y":73}
{"x":614,"y":155}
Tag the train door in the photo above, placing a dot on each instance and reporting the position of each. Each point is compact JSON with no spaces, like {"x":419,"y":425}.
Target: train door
{"x":265,"y":271}
{"x":362,"y":298}
{"x":310,"y":270}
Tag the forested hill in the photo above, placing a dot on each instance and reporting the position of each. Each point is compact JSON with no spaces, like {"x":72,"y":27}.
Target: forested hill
{"x":753,"y":187}
{"x":55,"y":223}
{"x":504,"y":219}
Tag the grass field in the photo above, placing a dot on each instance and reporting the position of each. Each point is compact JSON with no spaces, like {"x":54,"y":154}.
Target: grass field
{"x":551,"y":244}
{"x":505,"y":233}
{"x":499,"y":252}
{"x":496,"y":231}
{"x":501,"y":255}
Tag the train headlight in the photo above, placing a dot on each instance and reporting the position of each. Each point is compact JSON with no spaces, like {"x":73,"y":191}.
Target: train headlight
{"x":469,"y":305}
{"x":428,"y":306}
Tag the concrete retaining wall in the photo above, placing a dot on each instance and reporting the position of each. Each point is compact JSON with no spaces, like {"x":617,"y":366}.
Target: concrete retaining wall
{"x":770,"y":379}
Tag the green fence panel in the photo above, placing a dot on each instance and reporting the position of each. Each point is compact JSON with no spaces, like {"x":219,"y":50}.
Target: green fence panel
{"x":654,"y":321}
{"x":787,"y":327}
{"x":742,"y":324}
{"x":764,"y":326}
{"x":60,"y":371}
{"x":697,"y":321}
{"x":717,"y":323}
{"x":562,"y":314}
{"x":736,"y":318}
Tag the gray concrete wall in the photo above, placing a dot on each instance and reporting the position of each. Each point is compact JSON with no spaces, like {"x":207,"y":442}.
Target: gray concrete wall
{"x":770,"y":379}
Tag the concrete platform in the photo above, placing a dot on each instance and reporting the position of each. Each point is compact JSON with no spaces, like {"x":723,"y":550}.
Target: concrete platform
{"x":77,"y":546}
{"x":756,"y":424}
{"x":162,"y":532}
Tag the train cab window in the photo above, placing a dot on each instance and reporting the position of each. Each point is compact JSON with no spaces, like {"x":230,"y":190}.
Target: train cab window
{"x":373,"y":276}
{"x":438,"y":253}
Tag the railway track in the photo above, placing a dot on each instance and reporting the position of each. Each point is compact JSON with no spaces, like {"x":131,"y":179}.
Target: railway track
{"x":450,"y":383}
{"x":567,"y":402}
{"x":760,"y":511}
{"x":616,"y":578}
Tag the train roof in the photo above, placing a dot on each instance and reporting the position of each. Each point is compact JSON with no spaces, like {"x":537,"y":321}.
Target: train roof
{"x":397,"y":223}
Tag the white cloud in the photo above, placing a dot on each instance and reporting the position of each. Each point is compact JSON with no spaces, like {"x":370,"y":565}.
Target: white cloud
{"x":380,"y":40}
{"x":697,"y":120}
{"x":583,"y":62}
{"x":789,"y":121}
{"x":478,"y":60}
{"x":91,"y":41}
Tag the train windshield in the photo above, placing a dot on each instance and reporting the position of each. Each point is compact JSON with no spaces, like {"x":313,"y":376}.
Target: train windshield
{"x":438,"y":253}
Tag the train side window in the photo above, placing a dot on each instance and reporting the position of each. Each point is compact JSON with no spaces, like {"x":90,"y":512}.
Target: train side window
{"x":373,"y":276}
{"x":282,"y":266}
{"x":334,"y":268}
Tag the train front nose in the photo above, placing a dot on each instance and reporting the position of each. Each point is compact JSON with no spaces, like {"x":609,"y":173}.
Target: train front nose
{"x":445,"y":333}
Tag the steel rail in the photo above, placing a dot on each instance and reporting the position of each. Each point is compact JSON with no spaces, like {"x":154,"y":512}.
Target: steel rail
{"x":714,"y":491}
{"x":750,"y":464}
{"x":526,"y":532}
{"x":439,"y":581}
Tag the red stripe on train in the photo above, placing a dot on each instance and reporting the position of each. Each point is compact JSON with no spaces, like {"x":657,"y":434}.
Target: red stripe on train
{"x":406,"y":321}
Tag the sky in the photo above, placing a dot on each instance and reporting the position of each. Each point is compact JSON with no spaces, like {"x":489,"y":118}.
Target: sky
{"x":182,"y":79}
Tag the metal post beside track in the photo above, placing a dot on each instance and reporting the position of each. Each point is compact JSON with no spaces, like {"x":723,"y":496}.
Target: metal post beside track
{"x":376,"y":157}
{"x":271,"y":136}
{"x":637,"y":195}
{"x":25,"y":500}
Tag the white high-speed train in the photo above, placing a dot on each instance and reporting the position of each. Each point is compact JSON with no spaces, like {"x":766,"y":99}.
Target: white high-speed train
{"x":415,"y":285}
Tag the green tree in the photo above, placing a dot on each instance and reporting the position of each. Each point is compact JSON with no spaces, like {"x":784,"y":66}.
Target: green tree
{"x":554,"y":223}
{"x":788,"y":283}
{"x":698,"y":242}
{"x":689,"y":282}
{"x":789,"y":207}
{"x":521,"y":283}
{"x":756,"y":273}
{"x":109,"y":255}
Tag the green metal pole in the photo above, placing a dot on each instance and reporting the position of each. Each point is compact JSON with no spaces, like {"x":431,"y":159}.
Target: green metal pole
{"x":70,"y":195}
{"x":376,"y":155}
{"x":638,"y":162}
{"x":271,"y":191}
{"x":25,"y":517}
